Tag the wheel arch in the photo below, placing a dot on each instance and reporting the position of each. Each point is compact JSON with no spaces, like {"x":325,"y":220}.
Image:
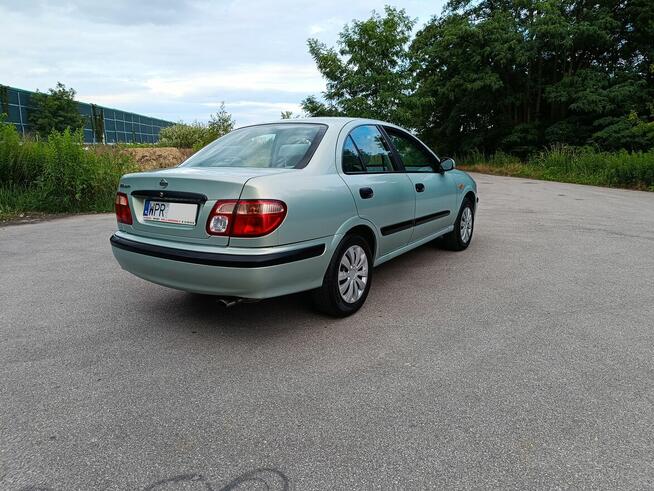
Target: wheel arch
{"x":470,"y":194}
{"x":368,"y":234}
{"x":363,"y":227}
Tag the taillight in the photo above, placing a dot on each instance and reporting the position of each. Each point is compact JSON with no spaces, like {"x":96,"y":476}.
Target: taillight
{"x":246,"y":218}
{"x":123,"y":215}
{"x":221,"y":218}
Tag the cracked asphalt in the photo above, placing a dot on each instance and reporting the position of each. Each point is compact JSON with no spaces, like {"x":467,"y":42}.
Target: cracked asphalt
{"x":526,"y":361}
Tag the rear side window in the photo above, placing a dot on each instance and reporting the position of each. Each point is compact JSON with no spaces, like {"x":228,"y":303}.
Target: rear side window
{"x":366,"y":143}
{"x":414,"y":155}
{"x":351,"y":161}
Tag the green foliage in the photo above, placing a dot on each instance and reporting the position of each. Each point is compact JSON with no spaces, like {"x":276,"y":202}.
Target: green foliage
{"x":510,"y":75}
{"x":628,"y":132}
{"x":54,"y":111}
{"x":97,"y":122}
{"x":581,"y":165}
{"x":197,"y":135}
{"x":58,"y":174}
{"x":368,"y":74}
{"x":517,"y":75}
{"x":4,"y":100}
{"x":220,"y":124}
{"x":183,"y":135}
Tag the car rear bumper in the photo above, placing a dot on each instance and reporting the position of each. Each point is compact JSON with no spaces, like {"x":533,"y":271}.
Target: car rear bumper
{"x":240,"y":272}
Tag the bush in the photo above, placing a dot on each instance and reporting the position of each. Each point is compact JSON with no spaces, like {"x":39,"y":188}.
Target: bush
{"x":197,"y":135}
{"x":183,"y":135}
{"x":58,"y":174}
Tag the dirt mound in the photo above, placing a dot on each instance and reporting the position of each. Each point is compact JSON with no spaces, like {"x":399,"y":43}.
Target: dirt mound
{"x":159,"y":157}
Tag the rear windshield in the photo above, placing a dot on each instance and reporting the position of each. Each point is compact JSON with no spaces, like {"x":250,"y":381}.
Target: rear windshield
{"x":286,"y":146}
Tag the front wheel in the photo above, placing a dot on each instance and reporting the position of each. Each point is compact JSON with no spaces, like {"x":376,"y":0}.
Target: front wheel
{"x":459,"y":238}
{"x":347,"y":281}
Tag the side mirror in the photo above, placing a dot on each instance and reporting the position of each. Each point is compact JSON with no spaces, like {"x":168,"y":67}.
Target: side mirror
{"x":447,"y":164}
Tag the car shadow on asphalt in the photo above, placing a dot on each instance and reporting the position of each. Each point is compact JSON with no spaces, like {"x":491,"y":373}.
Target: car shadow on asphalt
{"x":279,"y":315}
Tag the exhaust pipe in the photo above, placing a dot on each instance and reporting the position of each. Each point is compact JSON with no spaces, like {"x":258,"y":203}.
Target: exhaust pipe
{"x":231,"y":301}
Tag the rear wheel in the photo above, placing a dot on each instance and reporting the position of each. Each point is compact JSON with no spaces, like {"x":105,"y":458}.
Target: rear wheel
{"x":347,"y":281}
{"x":459,"y":238}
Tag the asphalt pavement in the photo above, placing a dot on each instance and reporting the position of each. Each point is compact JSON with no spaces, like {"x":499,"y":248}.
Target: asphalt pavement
{"x":526,"y":361}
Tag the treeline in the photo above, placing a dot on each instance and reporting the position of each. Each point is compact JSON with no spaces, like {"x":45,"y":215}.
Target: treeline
{"x":515,"y":76}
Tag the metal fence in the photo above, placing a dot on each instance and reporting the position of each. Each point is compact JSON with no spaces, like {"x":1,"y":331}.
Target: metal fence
{"x":101,"y":124}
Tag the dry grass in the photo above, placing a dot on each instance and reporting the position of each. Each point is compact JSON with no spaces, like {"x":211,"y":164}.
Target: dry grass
{"x":158,"y":157}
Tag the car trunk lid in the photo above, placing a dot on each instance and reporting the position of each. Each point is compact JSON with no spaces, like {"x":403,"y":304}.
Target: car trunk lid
{"x":187,"y":194}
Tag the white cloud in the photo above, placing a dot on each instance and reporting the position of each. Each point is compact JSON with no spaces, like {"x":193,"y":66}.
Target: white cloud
{"x":168,"y":58}
{"x":277,"y":106}
{"x":266,"y":77}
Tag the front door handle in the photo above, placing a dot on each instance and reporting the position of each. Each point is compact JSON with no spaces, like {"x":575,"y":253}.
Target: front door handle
{"x":420,"y":187}
{"x":366,"y":193}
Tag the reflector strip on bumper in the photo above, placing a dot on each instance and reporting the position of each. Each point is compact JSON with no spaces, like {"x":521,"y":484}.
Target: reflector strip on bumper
{"x":218,"y":258}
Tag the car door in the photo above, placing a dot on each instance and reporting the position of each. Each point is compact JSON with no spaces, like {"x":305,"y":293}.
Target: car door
{"x":382,"y":192}
{"x":435,"y":190}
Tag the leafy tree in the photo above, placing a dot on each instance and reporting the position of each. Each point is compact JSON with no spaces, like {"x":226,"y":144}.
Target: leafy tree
{"x":516,"y":75}
{"x":510,"y":75}
{"x":368,"y":74}
{"x":56,"y":110}
{"x":220,"y":123}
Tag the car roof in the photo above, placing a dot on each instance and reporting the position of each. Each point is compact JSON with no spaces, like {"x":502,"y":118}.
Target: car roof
{"x":332,"y":122}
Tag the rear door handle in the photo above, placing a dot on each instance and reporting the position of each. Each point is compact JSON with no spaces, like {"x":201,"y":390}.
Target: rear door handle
{"x":420,"y":187}
{"x":366,"y":193}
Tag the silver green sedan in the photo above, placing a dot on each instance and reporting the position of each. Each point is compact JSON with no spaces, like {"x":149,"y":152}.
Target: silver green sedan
{"x":303,"y":204}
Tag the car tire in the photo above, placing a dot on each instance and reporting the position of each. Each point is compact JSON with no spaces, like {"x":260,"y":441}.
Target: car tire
{"x":460,"y":238}
{"x":328,"y":298}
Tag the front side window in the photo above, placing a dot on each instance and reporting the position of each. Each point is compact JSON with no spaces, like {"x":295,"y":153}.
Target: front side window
{"x":415,"y":157}
{"x":367,"y":144}
{"x":286,"y":146}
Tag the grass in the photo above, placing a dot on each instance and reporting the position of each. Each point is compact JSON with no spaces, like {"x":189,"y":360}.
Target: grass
{"x":58,"y":175}
{"x":570,"y":164}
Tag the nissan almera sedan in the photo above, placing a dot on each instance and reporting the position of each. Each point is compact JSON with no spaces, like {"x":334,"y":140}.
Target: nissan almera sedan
{"x":303,"y":204}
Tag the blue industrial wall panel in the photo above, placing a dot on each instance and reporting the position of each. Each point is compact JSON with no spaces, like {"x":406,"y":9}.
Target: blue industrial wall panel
{"x":119,"y":126}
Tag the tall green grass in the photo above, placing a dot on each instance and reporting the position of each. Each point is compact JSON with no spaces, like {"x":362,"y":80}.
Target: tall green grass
{"x":581,"y":165}
{"x":58,"y":174}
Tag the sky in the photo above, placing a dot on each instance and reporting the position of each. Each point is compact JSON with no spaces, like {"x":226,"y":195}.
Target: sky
{"x":179,"y":59}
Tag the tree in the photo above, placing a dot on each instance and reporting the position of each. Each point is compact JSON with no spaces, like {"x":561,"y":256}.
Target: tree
{"x":517,"y":75}
{"x":368,"y":74}
{"x":56,"y":110}
{"x":511,"y":75}
{"x":220,"y":123}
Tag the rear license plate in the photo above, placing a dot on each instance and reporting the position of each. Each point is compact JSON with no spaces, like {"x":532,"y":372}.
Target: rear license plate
{"x":164,"y":211}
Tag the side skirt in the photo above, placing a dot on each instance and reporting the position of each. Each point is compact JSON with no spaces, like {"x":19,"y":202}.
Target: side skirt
{"x":412,"y":245}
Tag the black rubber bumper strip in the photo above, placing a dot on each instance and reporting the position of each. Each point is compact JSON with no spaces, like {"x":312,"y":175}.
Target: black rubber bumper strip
{"x":217,"y":258}
{"x":398,"y":227}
